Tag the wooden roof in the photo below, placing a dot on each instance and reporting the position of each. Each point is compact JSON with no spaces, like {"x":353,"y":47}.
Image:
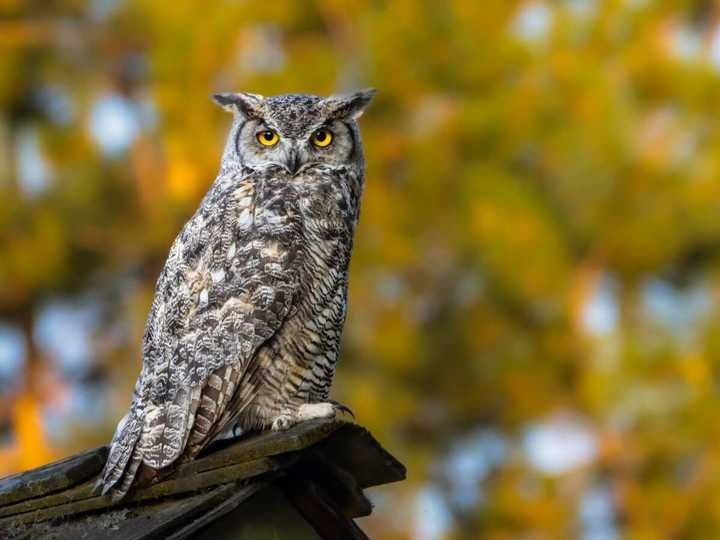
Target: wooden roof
{"x":321,"y":467}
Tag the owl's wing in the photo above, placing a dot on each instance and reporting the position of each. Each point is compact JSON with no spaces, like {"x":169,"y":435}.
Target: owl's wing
{"x":230,"y":282}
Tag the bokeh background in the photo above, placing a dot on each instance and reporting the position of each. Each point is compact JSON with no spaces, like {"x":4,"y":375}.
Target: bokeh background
{"x":534,"y":324}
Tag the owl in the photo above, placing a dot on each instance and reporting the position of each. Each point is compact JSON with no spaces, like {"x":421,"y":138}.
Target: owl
{"x":245,"y":325}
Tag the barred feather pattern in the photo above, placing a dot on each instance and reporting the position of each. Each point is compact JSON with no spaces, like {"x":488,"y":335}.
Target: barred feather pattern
{"x":248,"y":312}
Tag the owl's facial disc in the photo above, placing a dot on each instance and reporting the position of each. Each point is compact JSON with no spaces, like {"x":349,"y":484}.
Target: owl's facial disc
{"x":264,"y":143}
{"x":268,"y":138}
{"x":297,"y":131}
{"x":277,"y":149}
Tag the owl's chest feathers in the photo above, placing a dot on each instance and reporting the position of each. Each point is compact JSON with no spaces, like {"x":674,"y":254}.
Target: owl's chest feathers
{"x":300,"y":358}
{"x":249,"y":229}
{"x":316,"y":324}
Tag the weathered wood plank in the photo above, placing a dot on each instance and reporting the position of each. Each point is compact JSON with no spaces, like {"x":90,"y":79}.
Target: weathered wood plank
{"x":319,"y":509}
{"x":76,"y":493}
{"x":152,"y":521}
{"x":227,"y":505}
{"x":53,"y":477}
{"x":269,"y":443}
{"x":171,"y":487}
{"x":246,"y":456}
{"x":354,"y":449}
{"x":164,"y":519}
{"x":343,"y":488}
{"x":267,"y":515}
{"x":340,"y":485}
{"x":330,"y":462}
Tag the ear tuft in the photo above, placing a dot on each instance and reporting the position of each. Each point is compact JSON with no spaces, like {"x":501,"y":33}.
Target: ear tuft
{"x":243,"y":102}
{"x":350,"y":106}
{"x":226,"y":100}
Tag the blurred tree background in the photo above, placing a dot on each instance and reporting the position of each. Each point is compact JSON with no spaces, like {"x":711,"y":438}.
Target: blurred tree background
{"x":534,"y":324}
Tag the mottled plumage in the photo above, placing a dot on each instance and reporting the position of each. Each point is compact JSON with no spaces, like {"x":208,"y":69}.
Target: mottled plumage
{"x":245,"y":325}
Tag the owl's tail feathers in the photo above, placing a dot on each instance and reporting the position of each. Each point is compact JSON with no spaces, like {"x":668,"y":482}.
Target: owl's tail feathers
{"x":123,"y":460}
{"x":236,"y":394}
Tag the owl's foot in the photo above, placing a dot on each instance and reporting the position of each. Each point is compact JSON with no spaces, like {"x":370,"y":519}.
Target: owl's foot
{"x":340,"y":407}
{"x":308,"y":411}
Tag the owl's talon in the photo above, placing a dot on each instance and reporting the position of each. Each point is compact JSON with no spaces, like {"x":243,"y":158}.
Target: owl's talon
{"x":282,"y":422}
{"x":309,"y":411}
{"x":340,"y":407}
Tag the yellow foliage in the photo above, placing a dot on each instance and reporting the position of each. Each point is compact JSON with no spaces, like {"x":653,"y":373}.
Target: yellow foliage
{"x":695,"y":370}
{"x":32,"y":448}
{"x":182,"y":176}
{"x":539,"y":230}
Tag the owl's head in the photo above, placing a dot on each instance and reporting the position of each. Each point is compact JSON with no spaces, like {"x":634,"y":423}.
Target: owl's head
{"x":295,"y":131}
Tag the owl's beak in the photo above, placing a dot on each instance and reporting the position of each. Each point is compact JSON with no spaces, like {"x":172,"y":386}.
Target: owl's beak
{"x":293,"y":161}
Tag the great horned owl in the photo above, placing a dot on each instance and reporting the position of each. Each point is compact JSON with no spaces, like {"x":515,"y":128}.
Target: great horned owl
{"x":245,"y":325}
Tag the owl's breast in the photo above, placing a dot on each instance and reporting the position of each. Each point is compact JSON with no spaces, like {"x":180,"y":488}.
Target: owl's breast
{"x":329,"y":203}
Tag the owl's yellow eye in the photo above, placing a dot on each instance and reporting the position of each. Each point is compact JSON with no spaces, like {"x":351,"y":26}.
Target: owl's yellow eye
{"x":322,"y":137}
{"x":268,"y":137}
